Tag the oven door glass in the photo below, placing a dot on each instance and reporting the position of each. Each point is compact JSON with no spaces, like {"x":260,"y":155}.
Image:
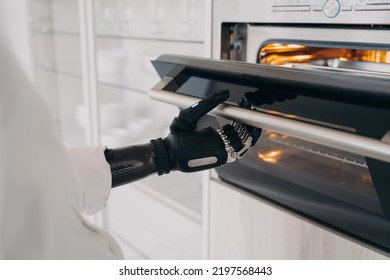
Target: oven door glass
{"x":328,"y":186}
{"x":341,"y":188}
{"x":332,"y":172}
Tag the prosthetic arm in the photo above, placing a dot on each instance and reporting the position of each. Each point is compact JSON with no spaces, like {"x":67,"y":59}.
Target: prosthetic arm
{"x":185,"y":149}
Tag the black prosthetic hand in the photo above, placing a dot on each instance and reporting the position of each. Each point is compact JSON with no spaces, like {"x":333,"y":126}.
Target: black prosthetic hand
{"x":238,"y":138}
{"x":191,"y":150}
{"x":185,"y":149}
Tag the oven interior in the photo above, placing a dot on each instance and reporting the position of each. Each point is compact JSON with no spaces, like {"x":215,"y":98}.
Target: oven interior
{"x":311,"y":55}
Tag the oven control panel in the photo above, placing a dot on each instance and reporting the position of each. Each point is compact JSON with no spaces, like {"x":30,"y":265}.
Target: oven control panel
{"x":330,"y":8}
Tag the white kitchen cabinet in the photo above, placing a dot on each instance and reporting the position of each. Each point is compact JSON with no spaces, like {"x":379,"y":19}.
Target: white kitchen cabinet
{"x":157,"y":226}
{"x":92,"y":61}
{"x":246,"y":227}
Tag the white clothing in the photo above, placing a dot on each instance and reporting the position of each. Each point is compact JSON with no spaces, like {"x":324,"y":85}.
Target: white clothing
{"x":43,"y":186}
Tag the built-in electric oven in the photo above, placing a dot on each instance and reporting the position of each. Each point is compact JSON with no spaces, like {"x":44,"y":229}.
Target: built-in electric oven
{"x":324,"y":152}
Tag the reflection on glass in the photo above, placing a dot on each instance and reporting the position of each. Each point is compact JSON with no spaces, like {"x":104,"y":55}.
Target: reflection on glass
{"x":271,"y":156}
{"x":335,"y":173}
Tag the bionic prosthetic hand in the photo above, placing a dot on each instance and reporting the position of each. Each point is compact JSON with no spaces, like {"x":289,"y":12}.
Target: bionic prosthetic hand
{"x":185,"y":149}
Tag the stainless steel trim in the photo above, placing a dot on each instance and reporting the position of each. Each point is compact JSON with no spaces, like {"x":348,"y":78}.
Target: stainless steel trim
{"x":202,"y":161}
{"x":325,"y":136}
{"x":291,"y":8}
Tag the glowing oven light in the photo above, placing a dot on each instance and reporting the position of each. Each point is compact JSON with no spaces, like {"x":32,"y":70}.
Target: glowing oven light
{"x":273,"y":136}
{"x":271,"y":156}
{"x":285,"y":54}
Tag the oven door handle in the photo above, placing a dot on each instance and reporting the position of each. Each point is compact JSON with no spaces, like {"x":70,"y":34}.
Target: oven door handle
{"x":341,"y":140}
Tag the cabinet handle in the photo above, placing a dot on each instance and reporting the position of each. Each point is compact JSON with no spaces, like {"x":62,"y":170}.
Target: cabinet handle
{"x":341,"y":140}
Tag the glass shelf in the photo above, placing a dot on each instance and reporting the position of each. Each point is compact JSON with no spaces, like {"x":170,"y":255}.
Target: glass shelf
{"x":141,"y":38}
{"x":120,"y":86}
{"x":55,"y":70}
{"x":49,"y":31}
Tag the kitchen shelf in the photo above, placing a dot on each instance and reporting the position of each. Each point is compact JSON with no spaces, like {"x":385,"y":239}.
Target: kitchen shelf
{"x":120,"y":86}
{"x":55,"y":32}
{"x":70,"y":74}
{"x":55,"y":70}
{"x":141,"y":38}
{"x":50,"y":31}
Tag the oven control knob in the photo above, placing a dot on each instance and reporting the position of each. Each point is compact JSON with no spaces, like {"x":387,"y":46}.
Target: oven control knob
{"x":332,"y":8}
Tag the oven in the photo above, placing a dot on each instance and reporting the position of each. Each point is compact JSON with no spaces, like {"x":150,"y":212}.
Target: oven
{"x":324,"y":152}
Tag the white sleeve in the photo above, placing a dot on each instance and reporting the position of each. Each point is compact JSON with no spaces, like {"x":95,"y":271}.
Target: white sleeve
{"x":92,"y":179}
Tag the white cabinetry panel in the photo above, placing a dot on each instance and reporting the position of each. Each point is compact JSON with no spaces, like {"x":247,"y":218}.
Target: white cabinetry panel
{"x":147,"y":227}
{"x":244,"y":227}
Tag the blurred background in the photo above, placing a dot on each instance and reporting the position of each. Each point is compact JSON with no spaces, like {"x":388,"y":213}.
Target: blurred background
{"x":91,"y":61}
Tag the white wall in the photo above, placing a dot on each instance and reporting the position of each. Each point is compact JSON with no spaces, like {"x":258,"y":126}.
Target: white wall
{"x":14,"y":28}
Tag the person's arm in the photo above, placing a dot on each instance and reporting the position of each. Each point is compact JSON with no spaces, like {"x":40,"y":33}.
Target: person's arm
{"x":185,"y":149}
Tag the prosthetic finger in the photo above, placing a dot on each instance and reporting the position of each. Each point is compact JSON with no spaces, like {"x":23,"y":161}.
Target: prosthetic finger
{"x":188,"y":118}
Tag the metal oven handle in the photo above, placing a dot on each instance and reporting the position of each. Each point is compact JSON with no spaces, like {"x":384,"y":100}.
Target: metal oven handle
{"x":345,"y":141}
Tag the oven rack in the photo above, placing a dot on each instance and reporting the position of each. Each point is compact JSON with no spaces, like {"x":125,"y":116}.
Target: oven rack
{"x":323,"y":153}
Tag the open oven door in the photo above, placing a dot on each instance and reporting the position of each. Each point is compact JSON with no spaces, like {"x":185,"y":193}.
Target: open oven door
{"x":324,"y":153}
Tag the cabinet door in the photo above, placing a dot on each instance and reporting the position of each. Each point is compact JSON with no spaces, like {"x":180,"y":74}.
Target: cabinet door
{"x":153,"y":225}
{"x":56,"y":43}
{"x":245,"y":227}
